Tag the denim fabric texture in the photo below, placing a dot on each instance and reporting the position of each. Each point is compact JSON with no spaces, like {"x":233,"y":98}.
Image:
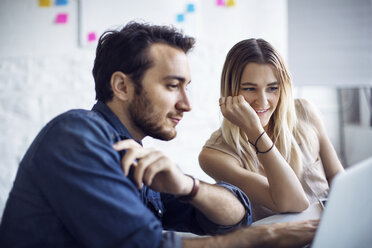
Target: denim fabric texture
{"x":70,"y":191}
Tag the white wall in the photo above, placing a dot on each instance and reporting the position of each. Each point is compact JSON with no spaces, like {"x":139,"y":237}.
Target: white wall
{"x":221,"y":29}
{"x":358,"y":137}
{"x":44,"y":71}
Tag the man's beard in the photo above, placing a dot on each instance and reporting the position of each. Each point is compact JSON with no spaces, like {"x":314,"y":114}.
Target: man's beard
{"x":141,"y":111}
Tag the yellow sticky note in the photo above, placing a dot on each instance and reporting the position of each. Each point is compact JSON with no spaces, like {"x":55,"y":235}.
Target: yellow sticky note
{"x":45,"y":3}
{"x":230,"y":3}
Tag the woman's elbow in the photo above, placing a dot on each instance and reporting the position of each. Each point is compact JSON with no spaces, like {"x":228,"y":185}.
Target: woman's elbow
{"x":293,"y":205}
{"x":302,"y":205}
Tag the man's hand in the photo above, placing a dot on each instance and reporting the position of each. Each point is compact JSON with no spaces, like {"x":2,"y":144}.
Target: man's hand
{"x":153,"y":168}
{"x":292,"y":234}
{"x":278,"y":235}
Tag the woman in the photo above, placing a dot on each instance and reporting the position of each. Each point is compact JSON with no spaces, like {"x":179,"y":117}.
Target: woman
{"x":273,"y":147}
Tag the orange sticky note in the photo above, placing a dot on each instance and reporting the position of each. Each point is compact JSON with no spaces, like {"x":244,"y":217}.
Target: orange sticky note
{"x":61,"y":18}
{"x":230,"y":3}
{"x":45,"y":3}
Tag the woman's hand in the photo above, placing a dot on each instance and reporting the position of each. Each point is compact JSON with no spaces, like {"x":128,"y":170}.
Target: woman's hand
{"x":238,"y":111}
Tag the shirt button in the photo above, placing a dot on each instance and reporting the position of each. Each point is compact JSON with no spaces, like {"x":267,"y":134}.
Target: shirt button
{"x":159,"y":212}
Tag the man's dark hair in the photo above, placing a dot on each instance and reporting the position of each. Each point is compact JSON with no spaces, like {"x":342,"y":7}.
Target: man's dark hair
{"x":127,"y":51}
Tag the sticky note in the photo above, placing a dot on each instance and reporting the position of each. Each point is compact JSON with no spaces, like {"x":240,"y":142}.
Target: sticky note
{"x":180,"y":18}
{"x":45,"y":3}
{"x":190,"y":8}
{"x":61,"y":2}
{"x":230,"y":3}
{"x":220,"y":3}
{"x":61,"y":18}
{"x":91,"y":36}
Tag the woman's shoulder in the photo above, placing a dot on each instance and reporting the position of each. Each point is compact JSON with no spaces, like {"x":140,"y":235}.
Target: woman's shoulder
{"x":216,"y":137}
{"x":218,"y":143}
{"x":303,"y":105}
{"x":306,"y":111}
{"x":308,"y":116}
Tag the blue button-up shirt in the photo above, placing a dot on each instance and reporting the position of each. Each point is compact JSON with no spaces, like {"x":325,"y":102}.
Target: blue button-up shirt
{"x":70,"y":191}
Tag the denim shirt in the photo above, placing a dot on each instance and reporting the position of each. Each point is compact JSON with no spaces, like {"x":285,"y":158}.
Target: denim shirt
{"x":70,"y":191}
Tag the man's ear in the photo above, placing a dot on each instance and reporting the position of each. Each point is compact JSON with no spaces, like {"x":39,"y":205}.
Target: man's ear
{"x":121,"y":85}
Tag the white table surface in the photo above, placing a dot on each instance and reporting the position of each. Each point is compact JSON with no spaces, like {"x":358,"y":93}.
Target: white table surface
{"x":313,"y":212}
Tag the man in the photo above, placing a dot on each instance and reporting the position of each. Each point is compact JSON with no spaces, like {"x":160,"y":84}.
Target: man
{"x":85,"y":182}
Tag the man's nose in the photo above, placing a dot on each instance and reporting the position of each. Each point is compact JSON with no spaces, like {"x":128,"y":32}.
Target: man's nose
{"x":183,"y":102}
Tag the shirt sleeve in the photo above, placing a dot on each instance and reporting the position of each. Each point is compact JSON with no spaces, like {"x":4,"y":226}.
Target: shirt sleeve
{"x":171,"y":240}
{"x":183,"y":217}
{"x":81,"y":177}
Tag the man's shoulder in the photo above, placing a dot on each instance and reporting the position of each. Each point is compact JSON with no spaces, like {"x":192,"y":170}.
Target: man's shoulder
{"x":78,"y":116}
{"x":79,"y":122}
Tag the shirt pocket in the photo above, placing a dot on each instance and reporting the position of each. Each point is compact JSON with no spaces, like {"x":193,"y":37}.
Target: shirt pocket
{"x":155,"y":204}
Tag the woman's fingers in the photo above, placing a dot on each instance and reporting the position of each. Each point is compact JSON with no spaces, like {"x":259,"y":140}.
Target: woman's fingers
{"x":221,"y":101}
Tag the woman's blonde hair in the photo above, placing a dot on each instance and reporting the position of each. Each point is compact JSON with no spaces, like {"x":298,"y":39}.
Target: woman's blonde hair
{"x":284,"y":128}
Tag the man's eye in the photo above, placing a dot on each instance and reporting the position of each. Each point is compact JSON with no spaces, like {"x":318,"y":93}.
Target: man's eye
{"x":172,"y":86}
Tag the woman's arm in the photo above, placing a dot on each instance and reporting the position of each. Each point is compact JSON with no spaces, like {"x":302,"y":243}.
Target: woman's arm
{"x":280,"y":191}
{"x":328,"y":155}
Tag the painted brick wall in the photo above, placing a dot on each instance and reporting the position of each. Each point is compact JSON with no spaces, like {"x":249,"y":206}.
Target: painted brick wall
{"x":32,"y":91}
{"x":51,"y":74}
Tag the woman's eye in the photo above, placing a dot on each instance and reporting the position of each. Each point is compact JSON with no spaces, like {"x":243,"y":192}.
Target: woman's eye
{"x":273,"y":88}
{"x":248,"y":89}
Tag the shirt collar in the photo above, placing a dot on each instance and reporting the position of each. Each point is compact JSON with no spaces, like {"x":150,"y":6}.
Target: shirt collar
{"x":111,"y":118}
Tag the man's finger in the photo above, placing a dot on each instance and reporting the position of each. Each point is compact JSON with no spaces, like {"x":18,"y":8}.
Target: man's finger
{"x":126,"y":144}
{"x":132,"y":155}
{"x":157,"y":166}
{"x":143,"y":164}
{"x":128,"y":160}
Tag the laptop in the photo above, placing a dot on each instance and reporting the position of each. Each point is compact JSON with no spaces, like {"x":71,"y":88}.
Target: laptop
{"x":347,"y":218}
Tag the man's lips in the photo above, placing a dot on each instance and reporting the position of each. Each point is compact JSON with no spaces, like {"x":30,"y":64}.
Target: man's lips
{"x":175,"y":120}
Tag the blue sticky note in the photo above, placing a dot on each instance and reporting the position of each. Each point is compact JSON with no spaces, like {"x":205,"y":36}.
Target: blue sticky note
{"x":190,"y":8}
{"x":180,"y":18}
{"x":61,"y":2}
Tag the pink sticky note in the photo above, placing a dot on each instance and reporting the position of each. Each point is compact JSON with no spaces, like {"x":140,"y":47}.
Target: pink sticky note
{"x":61,"y":18}
{"x":91,"y":36}
{"x":220,"y":3}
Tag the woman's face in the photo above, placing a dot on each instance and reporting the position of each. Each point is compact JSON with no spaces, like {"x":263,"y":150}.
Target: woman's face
{"x":261,"y":90}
